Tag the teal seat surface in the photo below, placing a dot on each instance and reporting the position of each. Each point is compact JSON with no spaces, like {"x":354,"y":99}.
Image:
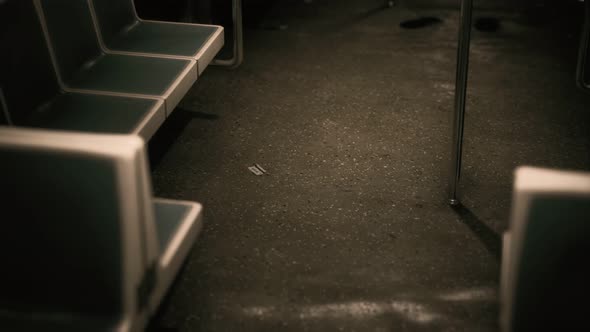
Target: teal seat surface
{"x":129,"y":74}
{"x":177,"y":225}
{"x":168,"y":216}
{"x":162,"y":38}
{"x":93,"y":113}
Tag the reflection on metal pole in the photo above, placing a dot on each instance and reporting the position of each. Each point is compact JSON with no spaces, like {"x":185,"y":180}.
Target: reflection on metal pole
{"x":460,"y":96}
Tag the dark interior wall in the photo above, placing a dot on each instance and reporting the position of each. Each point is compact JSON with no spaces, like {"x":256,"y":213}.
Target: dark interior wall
{"x":527,"y":7}
{"x":205,"y":11}
{"x":202,"y":11}
{"x":171,"y":10}
{"x":175,"y":10}
{"x":487,"y":4}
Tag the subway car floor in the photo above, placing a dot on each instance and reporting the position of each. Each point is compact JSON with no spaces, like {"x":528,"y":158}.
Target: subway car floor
{"x":350,"y":115}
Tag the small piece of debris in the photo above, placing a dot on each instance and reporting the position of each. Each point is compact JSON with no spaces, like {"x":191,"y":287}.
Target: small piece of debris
{"x":260,"y":168}
{"x":257,"y":170}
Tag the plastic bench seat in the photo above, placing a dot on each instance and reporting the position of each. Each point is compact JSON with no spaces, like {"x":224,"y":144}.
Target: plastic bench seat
{"x":178,"y":223}
{"x":84,"y":65}
{"x":32,"y":97}
{"x":130,"y":75}
{"x":120,"y":29}
{"x":100,"y":114}
{"x":84,"y":245}
{"x":544,"y":279}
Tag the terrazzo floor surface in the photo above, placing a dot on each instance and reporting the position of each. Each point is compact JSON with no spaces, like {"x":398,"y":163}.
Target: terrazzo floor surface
{"x":349,"y":114}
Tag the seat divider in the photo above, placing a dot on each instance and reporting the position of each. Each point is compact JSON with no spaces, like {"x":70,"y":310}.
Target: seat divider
{"x":43,"y":22}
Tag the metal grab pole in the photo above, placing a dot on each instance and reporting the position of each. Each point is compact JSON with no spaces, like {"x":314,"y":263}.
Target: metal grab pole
{"x":238,"y":46}
{"x":460,"y":96}
{"x":583,"y":52}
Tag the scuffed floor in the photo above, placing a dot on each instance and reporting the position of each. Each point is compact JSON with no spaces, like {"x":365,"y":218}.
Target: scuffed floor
{"x":350,"y":115}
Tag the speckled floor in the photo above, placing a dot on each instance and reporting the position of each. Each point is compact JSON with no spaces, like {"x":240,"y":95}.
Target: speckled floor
{"x":350,"y":116}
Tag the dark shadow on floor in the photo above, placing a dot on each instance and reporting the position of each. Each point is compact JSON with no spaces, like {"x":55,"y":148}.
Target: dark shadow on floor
{"x":198,"y":115}
{"x":154,"y":323}
{"x":171,"y":130}
{"x":421,"y":22}
{"x":162,"y":329}
{"x":491,"y":240}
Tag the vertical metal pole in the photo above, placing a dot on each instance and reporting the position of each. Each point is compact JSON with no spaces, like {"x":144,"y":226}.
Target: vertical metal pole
{"x":460,"y":96}
{"x":238,"y":52}
{"x":583,"y":52}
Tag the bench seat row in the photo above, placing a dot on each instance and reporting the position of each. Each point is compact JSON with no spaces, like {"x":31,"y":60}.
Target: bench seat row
{"x":94,"y":66}
{"x":83,"y":84}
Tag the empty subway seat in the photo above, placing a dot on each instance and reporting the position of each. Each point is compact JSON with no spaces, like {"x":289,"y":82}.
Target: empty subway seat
{"x":84,"y":246}
{"x":83,"y":65}
{"x":31,"y":94}
{"x":122,"y":30}
{"x":545,"y":270}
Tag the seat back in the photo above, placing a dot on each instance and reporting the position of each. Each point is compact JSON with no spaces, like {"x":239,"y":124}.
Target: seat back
{"x":114,"y":17}
{"x":545,"y":287}
{"x":27,"y":76}
{"x":73,"y":242}
{"x":71,"y":33}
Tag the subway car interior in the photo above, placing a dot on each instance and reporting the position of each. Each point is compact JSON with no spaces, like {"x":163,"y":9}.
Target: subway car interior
{"x":294,"y":165}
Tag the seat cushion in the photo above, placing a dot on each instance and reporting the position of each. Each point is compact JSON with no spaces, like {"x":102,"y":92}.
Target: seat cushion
{"x":163,"y":38}
{"x":130,"y":74}
{"x":177,"y":223}
{"x":169,"y":217}
{"x":94,"y":113}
